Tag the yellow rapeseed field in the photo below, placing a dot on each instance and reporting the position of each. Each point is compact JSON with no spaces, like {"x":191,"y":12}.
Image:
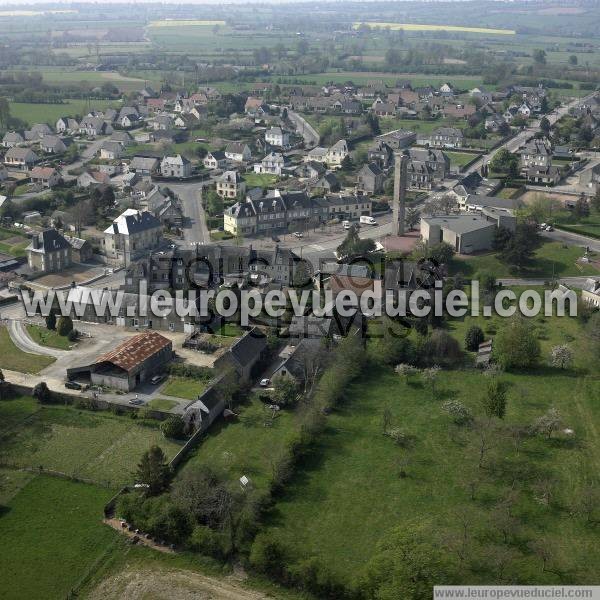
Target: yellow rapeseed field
{"x":423,"y":27}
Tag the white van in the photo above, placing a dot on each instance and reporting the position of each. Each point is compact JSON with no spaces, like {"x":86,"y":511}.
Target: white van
{"x":368,"y":220}
{"x":346,"y":224}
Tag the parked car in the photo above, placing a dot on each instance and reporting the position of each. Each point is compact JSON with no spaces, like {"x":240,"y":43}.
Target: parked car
{"x":136,"y":402}
{"x":73,"y":385}
{"x":264,"y":382}
{"x":549,"y":228}
{"x":157,"y":379}
{"x":346,"y":224}
{"x":298,"y":234}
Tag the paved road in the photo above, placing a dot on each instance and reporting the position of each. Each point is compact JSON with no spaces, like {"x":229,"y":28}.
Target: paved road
{"x":304,"y":128}
{"x":576,"y":282}
{"x":573,"y":239}
{"x":20,"y":337}
{"x":195,"y":229}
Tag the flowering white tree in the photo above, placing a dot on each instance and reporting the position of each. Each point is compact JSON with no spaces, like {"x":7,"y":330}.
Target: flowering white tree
{"x":561,"y":357}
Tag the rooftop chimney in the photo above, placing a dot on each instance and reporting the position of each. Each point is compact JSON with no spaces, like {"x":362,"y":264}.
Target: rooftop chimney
{"x":400,"y":184}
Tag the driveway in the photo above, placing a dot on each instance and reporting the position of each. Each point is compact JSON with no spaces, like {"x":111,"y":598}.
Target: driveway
{"x":304,"y":128}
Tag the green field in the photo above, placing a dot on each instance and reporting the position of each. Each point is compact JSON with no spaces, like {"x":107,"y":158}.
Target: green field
{"x":550,"y":259}
{"x":349,"y":495}
{"x":248,"y":444}
{"x":50,"y":113}
{"x":51,"y":536}
{"x":97,"y":446}
{"x":46,"y":337}
{"x":585,"y":225}
{"x":14,"y":359}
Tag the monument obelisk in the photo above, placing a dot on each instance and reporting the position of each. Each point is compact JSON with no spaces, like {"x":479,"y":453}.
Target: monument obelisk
{"x":400,"y":184}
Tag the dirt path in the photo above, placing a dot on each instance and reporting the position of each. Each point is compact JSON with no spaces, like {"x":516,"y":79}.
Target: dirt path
{"x":116,"y":524}
{"x":172,"y":584}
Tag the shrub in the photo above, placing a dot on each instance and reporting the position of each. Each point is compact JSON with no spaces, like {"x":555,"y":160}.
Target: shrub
{"x":173,"y":427}
{"x":41,"y":392}
{"x":473,"y":338}
{"x":210,"y":542}
{"x":516,"y":345}
{"x":64,"y":326}
{"x":440,"y":348}
{"x":191,"y":371}
{"x":460,"y":414}
{"x":73,"y":335}
{"x":51,"y":321}
{"x":267,"y":555}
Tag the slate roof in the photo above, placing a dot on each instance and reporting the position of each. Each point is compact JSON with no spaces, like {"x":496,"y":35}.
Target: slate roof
{"x":249,"y":347}
{"x":49,"y":240}
{"x":133,"y":221}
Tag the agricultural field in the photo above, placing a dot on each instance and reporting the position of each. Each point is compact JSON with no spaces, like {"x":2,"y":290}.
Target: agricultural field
{"x":50,"y":527}
{"x":50,"y":113}
{"x":12,"y":242}
{"x":349,"y":495}
{"x":95,"y":446}
{"x":423,"y":27}
{"x":14,"y":359}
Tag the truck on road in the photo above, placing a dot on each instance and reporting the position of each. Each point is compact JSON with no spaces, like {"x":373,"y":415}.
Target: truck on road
{"x":366,"y":220}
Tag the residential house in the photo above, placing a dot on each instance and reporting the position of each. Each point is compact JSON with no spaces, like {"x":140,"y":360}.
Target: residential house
{"x":122,"y":137}
{"x":590,"y":292}
{"x":144,"y":165}
{"x":447,"y":90}
{"x":175,"y":166}
{"x":130,"y":235}
{"x":310,"y":170}
{"x":49,"y":252}
{"x":446,"y":137}
{"x":81,"y":250}
{"x":494,"y":122}
{"x":318,"y":154}
{"x":94,"y":126}
{"x":11,"y":139}
{"x":244,"y":354}
{"x":299,"y":361}
{"x":427,"y":168}
{"x":273,"y":163}
{"x":549,"y":175}
{"x":110,"y":150}
{"x":167,"y":136}
{"x":399,"y":139}
{"x":384,"y":109}
{"x":20,"y":158}
{"x":238,"y":152}
{"x":458,"y":111}
{"x":47,"y":177}
{"x":380,"y":153}
{"x":52,"y":144}
{"x":337,"y":153}
{"x":92,"y":178}
{"x":536,"y":153}
{"x":215,"y":160}
{"x":525,"y":110}
{"x":327,"y":184}
{"x":275,"y":136}
{"x":369,"y":179}
{"x":66,"y":125}
{"x":38,"y":131}
{"x":230,"y":184}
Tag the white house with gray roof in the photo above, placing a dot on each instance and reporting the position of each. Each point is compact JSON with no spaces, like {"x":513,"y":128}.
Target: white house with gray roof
{"x":130,"y":235}
{"x":175,"y":166}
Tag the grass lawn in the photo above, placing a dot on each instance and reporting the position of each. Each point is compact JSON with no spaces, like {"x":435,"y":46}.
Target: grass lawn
{"x":507,"y":192}
{"x":161,"y":404}
{"x":99,"y":446}
{"x":14,"y":359}
{"x":550,"y":258}
{"x":46,"y":337}
{"x":589,"y":226}
{"x":183,"y":387}
{"x":246,"y":445}
{"x":50,"y":113}
{"x":460,"y":159}
{"x":418,"y":125}
{"x":230,"y":330}
{"x":260,"y":179}
{"x":52,"y":534}
{"x":15,"y":410}
{"x":348,"y":494}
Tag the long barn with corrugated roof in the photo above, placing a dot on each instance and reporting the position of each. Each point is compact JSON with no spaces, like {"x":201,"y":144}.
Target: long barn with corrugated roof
{"x":129,"y":364}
